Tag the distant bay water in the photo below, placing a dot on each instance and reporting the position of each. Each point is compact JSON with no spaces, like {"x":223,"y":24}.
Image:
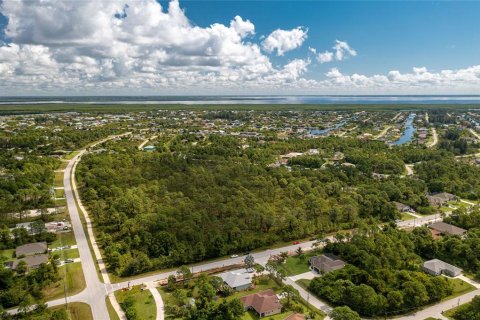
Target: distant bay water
{"x":310,"y":99}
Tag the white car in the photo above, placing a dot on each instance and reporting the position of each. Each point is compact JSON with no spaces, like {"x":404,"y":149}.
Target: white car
{"x":234,"y":256}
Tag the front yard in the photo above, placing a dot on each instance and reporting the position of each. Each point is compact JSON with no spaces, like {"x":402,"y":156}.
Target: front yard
{"x":75,"y":282}
{"x":143,"y":302}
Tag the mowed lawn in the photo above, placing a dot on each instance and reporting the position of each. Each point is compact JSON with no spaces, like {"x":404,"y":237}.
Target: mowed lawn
{"x":298,"y":264}
{"x":143,"y":302}
{"x":9,"y":254}
{"x":460,"y":287}
{"x":58,"y":182}
{"x":250,"y":315}
{"x":59,"y":193}
{"x":63,"y":239}
{"x":75,"y":282}
{"x":111,"y":311}
{"x":77,"y":311}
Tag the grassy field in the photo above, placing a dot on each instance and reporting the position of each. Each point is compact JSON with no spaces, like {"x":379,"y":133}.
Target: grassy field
{"x":296,"y":264}
{"x":61,"y":202}
{"x":304,"y":283}
{"x":406,"y":216}
{"x":250,"y":315}
{"x":71,"y":155}
{"x":144,"y":303}
{"x":75,"y":282}
{"x":460,"y":288}
{"x":77,"y":311}
{"x":58,"y":182}
{"x":63,"y":165}
{"x":70,"y":254}
{"x":64,"y":239}
{"x":111,"y":312}
{"x":9,"y":254}
{"x":59,"y":193}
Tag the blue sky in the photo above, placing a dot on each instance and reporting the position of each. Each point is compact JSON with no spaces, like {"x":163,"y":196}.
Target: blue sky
{"x":389,"y":38}
{"x":387,"y":34}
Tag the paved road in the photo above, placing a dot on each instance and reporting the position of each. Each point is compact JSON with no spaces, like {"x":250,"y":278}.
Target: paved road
{"x":436,"y":310}
{"x":384,"y":131}
{"x":319,"y":304}
{"x":409,"y":169}
{"x":158,"y":300}
{"x":474,"y":133}
{"x":94,"y":293}
{"x":140,"y":147}
{"x":435,"y":138}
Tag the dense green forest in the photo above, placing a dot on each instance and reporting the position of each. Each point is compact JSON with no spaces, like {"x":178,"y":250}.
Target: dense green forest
{"x":22,"y":288}
{"x":25,"y":182}
{"x":202,"y":198}
{"x":383,"y":274}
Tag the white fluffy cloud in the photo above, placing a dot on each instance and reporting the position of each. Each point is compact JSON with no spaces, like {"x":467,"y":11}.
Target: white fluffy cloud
{"x":419,"y":80}
{"x":131,"y":46}
{"x":284,"y":40}
{"x":340,"y":51}
{"x":128,"y":43}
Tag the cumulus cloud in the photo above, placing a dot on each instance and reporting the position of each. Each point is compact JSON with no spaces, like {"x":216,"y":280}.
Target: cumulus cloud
{"x":129,"y":43}
{"x":61,"y":46}
{"x":284,"y":40}
{"x":419,"y":79}
{"x":339,"y":52}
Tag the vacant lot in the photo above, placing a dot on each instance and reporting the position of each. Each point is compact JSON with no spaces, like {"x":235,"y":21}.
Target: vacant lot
{"x":143,"y":304}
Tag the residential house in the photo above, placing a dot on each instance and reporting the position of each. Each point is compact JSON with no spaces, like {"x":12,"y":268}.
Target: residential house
{"x":238,"y":280}
{"x":32,"y":228}
{"x":265,"y":303}
{"x":32,"y":262}
{"x":441,"y":228}
{"x":326,"y":263}
{"x":440,"y":199}
{"x":402,"y":207}
{"x":437,"y":267}
{"x":31,"y":249}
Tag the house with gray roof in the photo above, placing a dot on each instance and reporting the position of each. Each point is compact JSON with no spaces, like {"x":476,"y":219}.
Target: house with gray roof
{"x":403,"y":207}
{"x":326,"y":263}
{"x":238,"y":280}
{"x":32,"y":262}
{"x":31,"y":249}
{"x":442,"y":228}
{"x":437,"y":267}
{"x":441,"y":198}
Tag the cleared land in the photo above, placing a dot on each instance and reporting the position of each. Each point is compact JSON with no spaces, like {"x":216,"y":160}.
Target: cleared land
{"x":77,"y":311}
{"x":144,"y":304}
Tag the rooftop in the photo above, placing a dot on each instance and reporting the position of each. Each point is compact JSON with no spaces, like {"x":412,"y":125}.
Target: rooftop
{"x":262,"y":302}
{"x":447,"y":228}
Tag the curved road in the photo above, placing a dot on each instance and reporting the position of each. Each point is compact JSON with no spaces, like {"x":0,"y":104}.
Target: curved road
{"x":95,"y":292}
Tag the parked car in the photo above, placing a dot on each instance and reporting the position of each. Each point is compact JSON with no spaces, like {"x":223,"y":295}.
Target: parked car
{"x":234,"y":256}
{"x":296,"y":242}
{"x":69,"y":261}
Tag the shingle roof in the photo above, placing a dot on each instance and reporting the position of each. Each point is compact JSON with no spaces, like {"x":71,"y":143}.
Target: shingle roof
{"x":438,"y":266}
{"x":262,"y":302}
{"x":447,"y":228}
{"x":237,"y":278}
{"x":31,"y":248}
{"x":326,"y":263}
{"x":32,"y":261}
